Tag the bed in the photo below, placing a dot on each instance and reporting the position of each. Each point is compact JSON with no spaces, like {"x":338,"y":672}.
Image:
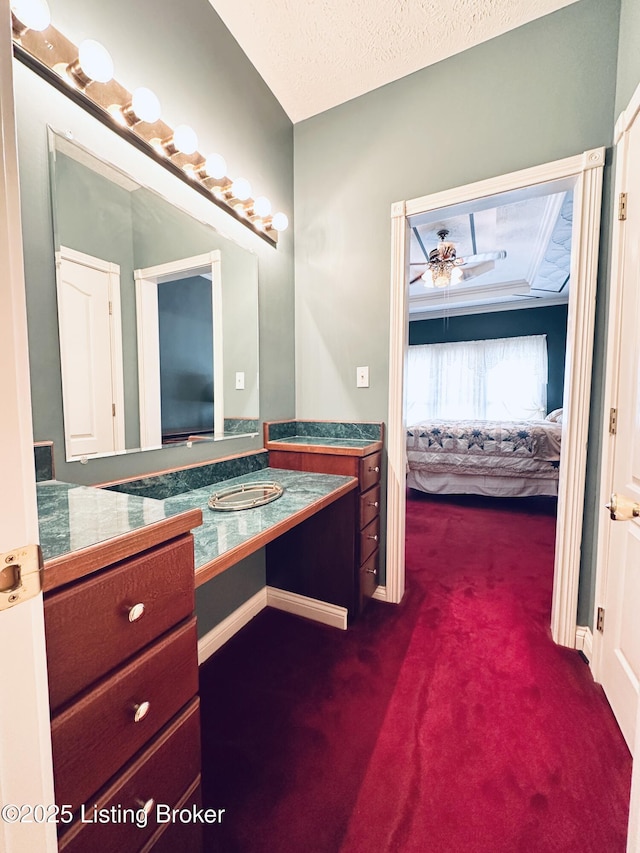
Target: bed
{"x":499,"y":459}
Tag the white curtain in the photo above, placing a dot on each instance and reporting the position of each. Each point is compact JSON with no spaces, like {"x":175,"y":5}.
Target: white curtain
{"x":495,"y":380}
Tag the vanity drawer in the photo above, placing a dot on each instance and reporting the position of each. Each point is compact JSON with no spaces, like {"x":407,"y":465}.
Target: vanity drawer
{"x":370,"y":470}
{"x":91,"y":627}
{"x":97,"y":734}
{"x":369,"y":539}
{"x":177,"y":837}
{"x":369,"y":505}
{"x":369,"y":576}
{"x":160,"y":774}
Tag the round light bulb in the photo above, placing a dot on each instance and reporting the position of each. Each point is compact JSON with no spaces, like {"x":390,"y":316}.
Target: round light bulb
{"x":215,"y":166}
{"x":241,"y":188}
{"x":280,"y":222}
{"x":145,"y":105}
{"x":95,"y":60}
{"x":34,"y":14}
{"x":185,"y":139}
{"x":262,"y":206}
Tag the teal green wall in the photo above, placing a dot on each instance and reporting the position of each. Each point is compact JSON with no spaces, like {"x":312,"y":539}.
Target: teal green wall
{"x":538,"y":93}
{"x":628,"y":53}
{"x":550,"y":321}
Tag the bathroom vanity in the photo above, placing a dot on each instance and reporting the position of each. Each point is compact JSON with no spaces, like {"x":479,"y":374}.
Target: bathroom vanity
{"x":354,"y":450}
{"x":123,"y":667}
{"x":119,"y":576}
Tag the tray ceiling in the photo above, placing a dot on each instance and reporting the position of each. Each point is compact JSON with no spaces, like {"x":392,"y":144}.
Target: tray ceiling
{"x":534,"y":231}
{"x":316,"y":54}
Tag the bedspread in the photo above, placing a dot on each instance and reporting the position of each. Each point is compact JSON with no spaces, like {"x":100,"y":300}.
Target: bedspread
{"x":485,"y":442}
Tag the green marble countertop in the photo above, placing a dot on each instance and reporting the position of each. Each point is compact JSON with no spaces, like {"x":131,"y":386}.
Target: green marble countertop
{"x":223,"y":532}
{"x":324,"y":441}
{"x":73,"y":517}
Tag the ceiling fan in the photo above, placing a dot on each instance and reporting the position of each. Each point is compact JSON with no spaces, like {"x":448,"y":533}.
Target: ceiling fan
{"x":444,"y":267}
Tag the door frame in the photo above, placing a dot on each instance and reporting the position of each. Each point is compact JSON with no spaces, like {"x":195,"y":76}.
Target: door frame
{"x":587,"y":170}
{"x":612,"y":364}
{"x":26,"y":775}
{"x":147,"y":281}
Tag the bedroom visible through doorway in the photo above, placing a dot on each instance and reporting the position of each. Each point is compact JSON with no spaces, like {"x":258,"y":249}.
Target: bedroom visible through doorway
{"x":468,"y":267}
{"x":487,"y":351}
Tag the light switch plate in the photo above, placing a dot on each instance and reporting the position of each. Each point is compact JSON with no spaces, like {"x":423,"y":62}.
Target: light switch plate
{"x":362,"y":377}
{"x":240,"y":380}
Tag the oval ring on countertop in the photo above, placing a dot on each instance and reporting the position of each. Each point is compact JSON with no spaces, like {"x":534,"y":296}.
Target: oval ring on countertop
{"x":245,"y":496}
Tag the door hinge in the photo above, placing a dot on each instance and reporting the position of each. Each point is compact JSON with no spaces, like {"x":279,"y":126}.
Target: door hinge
{"x":613,"y":421}
{"x":20,"y":575}
{"x":113,"y":410}
{"x":600,"y":619}
{"x":622,"y":207}
{"x":110,"y":308}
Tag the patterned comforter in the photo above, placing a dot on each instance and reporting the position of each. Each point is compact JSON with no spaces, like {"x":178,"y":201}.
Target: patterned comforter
{"x":527,"y":448}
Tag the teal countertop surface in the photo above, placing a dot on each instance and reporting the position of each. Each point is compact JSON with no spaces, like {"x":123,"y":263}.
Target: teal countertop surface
{"x":72,"y":517}
{"x":324,"y":441}
{"x":224,"y":531}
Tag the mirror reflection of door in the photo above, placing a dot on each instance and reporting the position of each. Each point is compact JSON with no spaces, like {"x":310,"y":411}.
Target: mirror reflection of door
{"x":90,"y":353}
{"x":180,"y":350}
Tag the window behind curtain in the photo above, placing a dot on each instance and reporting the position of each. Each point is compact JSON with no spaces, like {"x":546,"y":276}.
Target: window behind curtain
{"x":495,"y":380}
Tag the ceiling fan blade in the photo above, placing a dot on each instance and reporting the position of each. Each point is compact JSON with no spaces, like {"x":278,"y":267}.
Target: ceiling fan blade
{"x":481,"y":257}
{"x":475,"y":270}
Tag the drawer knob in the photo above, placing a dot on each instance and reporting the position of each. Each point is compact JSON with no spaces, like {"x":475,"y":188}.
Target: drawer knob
{"x":136,"y":612}
{"x":147,"y":806}
{"x":141,"y":711}
{"x":374,"y":537}
{"x":373,"y":503}
{"x":376,"y":469}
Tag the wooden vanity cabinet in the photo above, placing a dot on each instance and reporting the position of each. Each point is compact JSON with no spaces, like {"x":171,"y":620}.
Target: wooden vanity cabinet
{"x":367,"y":469}
{"x":123,"y":683}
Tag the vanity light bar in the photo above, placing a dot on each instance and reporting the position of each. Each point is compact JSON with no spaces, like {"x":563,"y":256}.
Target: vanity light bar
{"x":49,"y":54}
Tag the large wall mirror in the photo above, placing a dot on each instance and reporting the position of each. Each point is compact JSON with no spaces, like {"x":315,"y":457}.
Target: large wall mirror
{"x":157,"y":314}
{"x":143,"y":315}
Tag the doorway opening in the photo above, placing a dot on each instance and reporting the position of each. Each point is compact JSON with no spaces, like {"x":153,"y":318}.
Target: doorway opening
{"x":178,"y":311}
{"x":580,"y":176}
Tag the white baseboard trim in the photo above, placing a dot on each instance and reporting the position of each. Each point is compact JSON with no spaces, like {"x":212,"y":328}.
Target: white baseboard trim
{"x":584,"y":641}
{"x":224,"y":630}
{"x":380,"y":593}
{"x":310,"y":608}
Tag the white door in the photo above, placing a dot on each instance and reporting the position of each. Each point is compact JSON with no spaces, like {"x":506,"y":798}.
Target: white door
{"x":26,"y":776}
{"x":619,"y":667}
{"x":88,"y":353}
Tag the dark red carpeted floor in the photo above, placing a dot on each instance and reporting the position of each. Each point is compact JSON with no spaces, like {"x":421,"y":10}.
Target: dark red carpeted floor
{"x":449,"y":723}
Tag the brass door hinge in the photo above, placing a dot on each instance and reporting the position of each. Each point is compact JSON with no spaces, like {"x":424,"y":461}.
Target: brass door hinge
{"x":622,"y":207}
{"x":110,"y":307}
{"x":613,"y":421}
{"x":600,"y":620}
{"x":113,"y":409}
{"x":20,"y":577}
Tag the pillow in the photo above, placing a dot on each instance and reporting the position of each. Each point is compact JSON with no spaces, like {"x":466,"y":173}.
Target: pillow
{"x":555,"y":416}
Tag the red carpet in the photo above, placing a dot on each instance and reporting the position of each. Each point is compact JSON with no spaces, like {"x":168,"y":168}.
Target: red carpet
{"x":450,"y":723}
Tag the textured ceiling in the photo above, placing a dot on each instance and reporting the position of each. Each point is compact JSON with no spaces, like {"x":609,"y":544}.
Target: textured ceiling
{"x":315,"y":54}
